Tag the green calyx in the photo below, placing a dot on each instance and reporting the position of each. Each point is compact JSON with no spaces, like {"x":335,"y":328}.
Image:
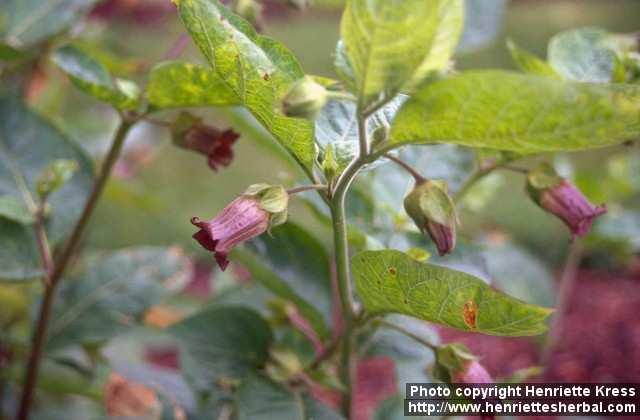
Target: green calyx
{"x":541,"y":179}
{"x":430,"y":201}
{"x":450,"y":359}
{"x":273,"y":199}
{"x":181,"y":125}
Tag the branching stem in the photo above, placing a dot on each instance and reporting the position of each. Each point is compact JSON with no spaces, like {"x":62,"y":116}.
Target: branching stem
{"x":58,"y":269}
{"x":303,"y":188}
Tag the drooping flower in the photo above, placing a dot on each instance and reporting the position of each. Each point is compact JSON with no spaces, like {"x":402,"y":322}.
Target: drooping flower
{"x":190,"y":133}
{"x":434,"y":213}
{"x":258,"y":209}
{"x":559,"y":197}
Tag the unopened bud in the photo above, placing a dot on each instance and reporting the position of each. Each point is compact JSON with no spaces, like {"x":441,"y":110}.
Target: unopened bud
{"x":562,"y":199}
{"x":305,"y":99}
{"x":55,"y":176}
{"x":434,"y":213}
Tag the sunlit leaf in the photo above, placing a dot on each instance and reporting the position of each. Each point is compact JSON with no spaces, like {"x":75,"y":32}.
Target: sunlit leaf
{"x":176,"y":84}
{"x":257,"y":69}
{"x":529,"y":63}
{"x":392,"y":282}
{"x":519,"y":113}
{"x":391,"y":42}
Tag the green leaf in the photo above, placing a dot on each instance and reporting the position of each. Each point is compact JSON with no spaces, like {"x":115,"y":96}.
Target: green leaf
{"x":390,"y":42}
{"x":257,"y":69}
{"x":14,"y":209}
{"x":112,"y":292}
{"x":583,"y":55}
{"x":175,"y":85}
{"x":448,"y":32}
{"x":529,"y":63}
{"x":259,"y":398}
{"x":520,"y":113}
{"x":90,"y":76}
{"x":28,"y":145}
{"x":293,"y":265}
{"x":27,"y":22}
{"x":336,"y":125}
{"x":222,"y":341}
{"x":390,"y":281}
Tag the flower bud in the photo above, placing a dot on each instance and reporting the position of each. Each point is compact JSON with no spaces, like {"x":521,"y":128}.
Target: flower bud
{"x":261,"y":207}
{"x":561,"y":198}
{"x":434,"y":213}
{"x":189,"y":132}
{"x":55,"y":176}
{"x":305,"y":99}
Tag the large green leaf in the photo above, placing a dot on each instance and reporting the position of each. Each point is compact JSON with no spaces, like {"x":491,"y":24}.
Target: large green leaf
{"x":27,"y":22}
{"x":294,"y":265}
{"x":111,"y":292}
{"x":90,"y":76}
{"x":519,"y":113}
{"x":176,"y":84}
{"x":222,"y":341}
{"x":390,"y":42}
{"x":28,"y":144}
{"x":259,"y":398}
{"x":391,"y":281}
{"x":259,"y":70}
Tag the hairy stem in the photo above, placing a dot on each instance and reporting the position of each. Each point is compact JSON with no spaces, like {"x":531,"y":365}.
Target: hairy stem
{"x":44,"y":314}
{"x":303,"y":188}
{"x":566,"y":285}
{"x":343,"y":271}
{"x":43,"y":244}
{"x":404,"y":165}
{"x":391,"y":325}
{"x":476,"y":176}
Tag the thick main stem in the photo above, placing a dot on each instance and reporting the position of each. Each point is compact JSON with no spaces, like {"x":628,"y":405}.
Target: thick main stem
{"x":341,"y":246}
{"x":344,"y":286}
{"x":44,"y":314}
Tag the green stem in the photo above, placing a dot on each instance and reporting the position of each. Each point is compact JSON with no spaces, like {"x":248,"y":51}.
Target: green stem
{"x":471,"y":181}
{"x":303,"y":188}
{"x":408,"y":333}
{"x":404,"y":165}
{"x":44,"y":315}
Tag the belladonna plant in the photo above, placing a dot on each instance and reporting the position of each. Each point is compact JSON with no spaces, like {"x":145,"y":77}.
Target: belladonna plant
{"x":324,"y":297}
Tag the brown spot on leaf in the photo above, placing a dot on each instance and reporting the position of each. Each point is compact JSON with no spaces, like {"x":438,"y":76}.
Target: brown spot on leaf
{"x":266,"y":77}
{"x":393,"y":271}
{"x":470,"y":314}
